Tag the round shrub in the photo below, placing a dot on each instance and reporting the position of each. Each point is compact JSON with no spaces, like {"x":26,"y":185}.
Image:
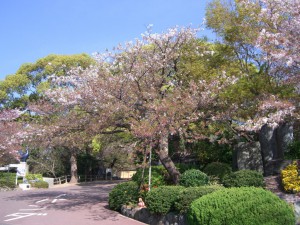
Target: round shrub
{"x":217,"y":169}
{"x":39,"y":184}
{"x":193,"y":178}
{"x":235,"y":206}
{"x":182,"y":167}
{"x":244,"y":178}
{"x":188,"y":195}
{"x":161,"y":200}
{"x":122,"y":194}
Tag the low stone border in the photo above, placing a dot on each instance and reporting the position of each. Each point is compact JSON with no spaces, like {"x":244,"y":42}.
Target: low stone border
{"x":143,"y":215}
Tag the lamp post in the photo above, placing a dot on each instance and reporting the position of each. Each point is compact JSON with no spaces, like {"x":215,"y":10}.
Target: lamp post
{"x":149,"y":182}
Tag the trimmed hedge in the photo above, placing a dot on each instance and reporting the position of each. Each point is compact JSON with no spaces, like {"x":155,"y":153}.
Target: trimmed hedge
{"x":193,"y":178}
{"x":34,"y":176}
{"x":188,"y":195}
{"x":244,"y":178}
{"x":122,"y":194}
{"x":161,"y":200}
{"x":39,"y":184}
{"x":235,"y":206}
{"x":7,"y":180}
{"x":217,"y":169}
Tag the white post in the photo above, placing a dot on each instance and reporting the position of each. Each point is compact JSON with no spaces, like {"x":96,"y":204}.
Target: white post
{"x":149,"y":183}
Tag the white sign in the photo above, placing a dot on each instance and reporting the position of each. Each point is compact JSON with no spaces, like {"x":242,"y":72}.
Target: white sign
{"x":21,"y":170}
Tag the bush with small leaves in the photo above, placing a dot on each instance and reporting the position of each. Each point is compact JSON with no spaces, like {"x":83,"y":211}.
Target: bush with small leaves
{"x":217,"y":169}
{"x":182,"y":167}
{"x":290,"y":178}
{"x":32,"y":176}
{"x":161,"y":200}
{"x":7,"y":180}
{"x":122,"y":194}
{"x":244,"y":178}
{"x":188,"y":195}
{"x":193,"y":178}
{"x":39,"y":184}
{"x":245,"y":205}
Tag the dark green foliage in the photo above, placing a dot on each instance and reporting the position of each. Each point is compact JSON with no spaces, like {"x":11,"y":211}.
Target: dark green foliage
{"x":208,"y":152}
{"x":236,"y":206}
{"x":7,"y":180}
{"x":182,"y":167}
{"x":193,"y":178}
{"x":293,"y":151}
{"x":39,"y":184}
{"x":159,"y":176}
{"x":161,"y":200}
{"x":244,"y":178}
{"x":188,"y":195}
{"x":217,"y":169}
{"x":122,"y":194}
{"x":87,"y":164}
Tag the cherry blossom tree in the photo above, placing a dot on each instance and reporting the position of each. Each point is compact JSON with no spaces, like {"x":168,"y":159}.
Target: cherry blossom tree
{"x":264,"y":34}
{"x":59,"y":127}
{"x":142,"y":88}
{"x":10,"y":134}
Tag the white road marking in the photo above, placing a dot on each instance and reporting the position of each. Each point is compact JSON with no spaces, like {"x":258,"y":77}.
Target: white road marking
{"x":55,"y":200}
{"x":23,"y":215}
{"x":61,"y":195}
{"x":46,"y":199}
{"x":32,"y":209}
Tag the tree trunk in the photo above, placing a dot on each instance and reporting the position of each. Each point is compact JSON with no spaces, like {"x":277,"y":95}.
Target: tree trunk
{"x":165,"y":159}
{"x":74,"y":175}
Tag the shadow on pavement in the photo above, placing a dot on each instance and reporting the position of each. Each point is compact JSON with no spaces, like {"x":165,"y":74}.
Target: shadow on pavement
{"x":91,"y":199}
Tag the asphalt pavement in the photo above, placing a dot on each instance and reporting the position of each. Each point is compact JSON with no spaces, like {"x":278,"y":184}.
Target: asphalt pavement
{"x":77,"y":204}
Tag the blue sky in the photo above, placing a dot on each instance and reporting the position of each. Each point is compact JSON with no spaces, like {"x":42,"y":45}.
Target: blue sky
{"x":32,"y":29}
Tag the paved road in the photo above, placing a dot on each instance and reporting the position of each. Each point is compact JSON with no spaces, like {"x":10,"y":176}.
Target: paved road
{"x":83,"y":204}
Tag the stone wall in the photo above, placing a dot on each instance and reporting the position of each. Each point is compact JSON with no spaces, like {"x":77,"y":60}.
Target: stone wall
{"x":266,"y":155}
{"x":248,"y":156}
{"x":274,"y":143}
{"x":143,"y":215}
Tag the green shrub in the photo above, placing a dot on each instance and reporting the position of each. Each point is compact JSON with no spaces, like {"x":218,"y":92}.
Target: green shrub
{"x":293,"y":151}
{"x":7,"y":180}
{"x":188,"y":195}
{"x":182,"y":167}
{"x":32,"y":176}
{"x":161,"y":200}
{"x":235,"y":206}
{"x":244,"y":178}
{"x":159,"y":176}
{"x":122,"y":194}
{"x":39,"y":184}
{"x":193,"y":178}
{"x":217,"y":169}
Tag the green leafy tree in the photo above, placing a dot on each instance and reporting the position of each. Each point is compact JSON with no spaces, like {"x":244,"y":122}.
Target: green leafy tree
{"x":31,"y":79}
